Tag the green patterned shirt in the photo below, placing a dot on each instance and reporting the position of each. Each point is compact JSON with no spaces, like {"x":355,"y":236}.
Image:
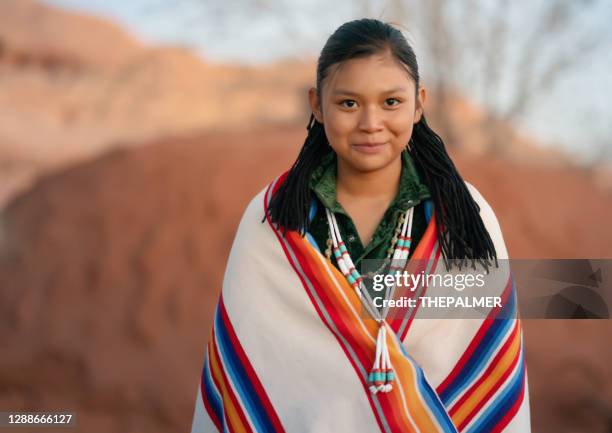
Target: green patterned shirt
{"x":412,"y":192}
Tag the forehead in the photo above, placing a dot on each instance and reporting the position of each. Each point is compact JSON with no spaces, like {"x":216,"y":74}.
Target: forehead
{"x":372,"y":74}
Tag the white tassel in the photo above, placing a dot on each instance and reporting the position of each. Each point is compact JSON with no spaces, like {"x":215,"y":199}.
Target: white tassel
{"x":387,"y":367}
{"x":382,"y":375}
{"x":374,"y":378}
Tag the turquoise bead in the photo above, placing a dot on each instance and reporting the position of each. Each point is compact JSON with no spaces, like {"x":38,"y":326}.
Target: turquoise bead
{"x":376,"y":377}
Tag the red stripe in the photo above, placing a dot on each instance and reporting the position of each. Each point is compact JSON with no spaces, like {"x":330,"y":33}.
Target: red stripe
{"x":253,"y":379}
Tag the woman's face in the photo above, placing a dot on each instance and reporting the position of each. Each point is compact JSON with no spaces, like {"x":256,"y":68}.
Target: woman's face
{"x":368,"y":108}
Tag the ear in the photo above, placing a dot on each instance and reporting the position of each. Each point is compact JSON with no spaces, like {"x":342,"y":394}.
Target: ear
{"x":420,"y":104}
{"x":315,"y":104}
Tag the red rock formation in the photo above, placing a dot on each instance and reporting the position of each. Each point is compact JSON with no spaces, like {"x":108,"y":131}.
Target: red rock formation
{"x":72,"y":85}
{"x":109,"y":272}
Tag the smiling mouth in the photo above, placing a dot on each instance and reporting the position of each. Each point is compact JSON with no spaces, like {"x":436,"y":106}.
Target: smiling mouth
{"x":369,"y":148}
{"x":369,"y":144}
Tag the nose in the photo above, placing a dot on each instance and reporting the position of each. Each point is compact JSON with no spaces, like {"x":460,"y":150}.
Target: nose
{"x":371,"y":120}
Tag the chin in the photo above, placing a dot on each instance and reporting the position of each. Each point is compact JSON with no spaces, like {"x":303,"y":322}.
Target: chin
{"x":370,"y":163}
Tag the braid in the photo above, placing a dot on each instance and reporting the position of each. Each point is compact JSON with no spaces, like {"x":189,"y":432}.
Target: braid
{"x":290,"y":204}
{"x":461,"y":231}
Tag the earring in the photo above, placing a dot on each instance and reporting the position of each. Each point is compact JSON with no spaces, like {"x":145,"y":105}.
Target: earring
{"x":310,"y":122}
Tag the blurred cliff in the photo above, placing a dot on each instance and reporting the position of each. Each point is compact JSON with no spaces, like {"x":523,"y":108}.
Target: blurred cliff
{"x":73,"y":86}
{"x":124,"y":172}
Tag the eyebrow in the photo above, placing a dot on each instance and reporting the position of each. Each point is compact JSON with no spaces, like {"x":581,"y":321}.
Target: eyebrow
{"x":348,"y":92}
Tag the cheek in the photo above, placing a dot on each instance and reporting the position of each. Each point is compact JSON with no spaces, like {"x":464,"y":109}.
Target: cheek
{"x":338,"y":124}
{"x":401,"y":125}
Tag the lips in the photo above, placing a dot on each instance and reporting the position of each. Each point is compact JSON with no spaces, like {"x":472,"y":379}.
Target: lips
{"x":369,"y":147}
{"x":369,"y":144}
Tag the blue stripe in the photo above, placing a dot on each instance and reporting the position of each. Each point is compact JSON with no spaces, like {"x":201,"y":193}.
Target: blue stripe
{"x":313,"y":210}
{"x":434,"y":403}
{"x":431,"y":397}
{"x":240,"y":379}
{"x":312,"y":241}
{"x":428,"y":209}
{"x":503,"y":402}
{"x":212,"y":395}
{"x":490,"y":342}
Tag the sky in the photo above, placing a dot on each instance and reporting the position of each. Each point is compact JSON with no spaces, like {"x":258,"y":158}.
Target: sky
{"x":575,"y":114}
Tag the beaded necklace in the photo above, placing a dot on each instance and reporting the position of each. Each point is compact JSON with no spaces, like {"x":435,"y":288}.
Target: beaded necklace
{"x":403,"y":242}
{"x":382,"y":373}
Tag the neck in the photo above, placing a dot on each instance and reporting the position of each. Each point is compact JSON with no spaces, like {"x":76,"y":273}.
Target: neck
{"x":381,"y":184}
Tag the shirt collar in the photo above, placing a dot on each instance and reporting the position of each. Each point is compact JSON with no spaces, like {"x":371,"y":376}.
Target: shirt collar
{"x":411,"y":190}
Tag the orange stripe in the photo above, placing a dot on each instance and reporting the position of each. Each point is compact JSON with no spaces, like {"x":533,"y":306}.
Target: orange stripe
{"x":406,"y":374}
{"x":365,"y":339}
{"x":404,"y":370}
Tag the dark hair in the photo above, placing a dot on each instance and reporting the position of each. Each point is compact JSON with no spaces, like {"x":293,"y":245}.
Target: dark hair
{"x":461,"y":231}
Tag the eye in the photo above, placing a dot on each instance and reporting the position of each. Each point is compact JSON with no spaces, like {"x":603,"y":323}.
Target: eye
{"x":348,"y":103}
{"x":392,"y":102}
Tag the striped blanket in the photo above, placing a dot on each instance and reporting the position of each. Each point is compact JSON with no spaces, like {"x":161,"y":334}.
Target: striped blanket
{"x":290,"y":349}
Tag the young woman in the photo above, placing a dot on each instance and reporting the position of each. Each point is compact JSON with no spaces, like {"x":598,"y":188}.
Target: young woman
{"x":300,"y":343}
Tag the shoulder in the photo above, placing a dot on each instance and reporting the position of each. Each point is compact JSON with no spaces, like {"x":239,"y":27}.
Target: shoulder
{"x":486,"y":211}
{"x":253,"y":232}
{"x":255,"y":209}
{"x":490,"y":221}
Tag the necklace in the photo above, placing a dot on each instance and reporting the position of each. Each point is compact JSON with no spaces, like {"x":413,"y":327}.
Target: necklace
{"x":382,"y":373}
{"x":390,"y":250}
